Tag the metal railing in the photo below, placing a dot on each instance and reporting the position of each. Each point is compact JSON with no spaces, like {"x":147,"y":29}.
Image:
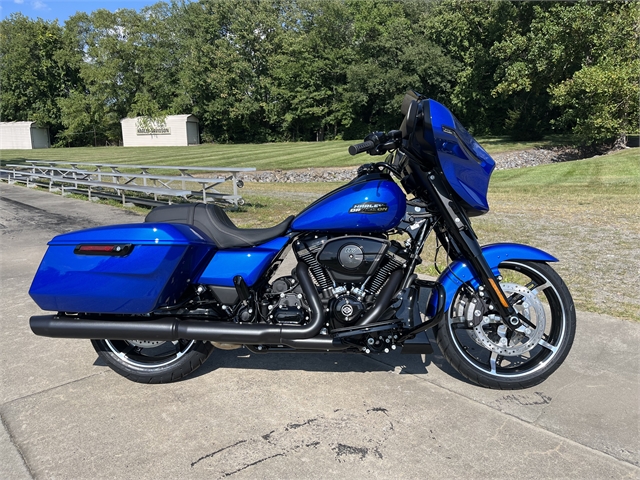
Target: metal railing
{"x":98,"y":179}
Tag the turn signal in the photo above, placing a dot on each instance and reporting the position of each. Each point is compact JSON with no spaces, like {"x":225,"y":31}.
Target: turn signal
{"x":499,"y":293}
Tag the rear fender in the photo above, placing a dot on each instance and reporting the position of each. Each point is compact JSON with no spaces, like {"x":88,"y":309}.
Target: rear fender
{"x":460,"y":272}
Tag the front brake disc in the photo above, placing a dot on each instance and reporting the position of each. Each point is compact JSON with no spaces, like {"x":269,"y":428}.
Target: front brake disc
{"x":487,"y":335}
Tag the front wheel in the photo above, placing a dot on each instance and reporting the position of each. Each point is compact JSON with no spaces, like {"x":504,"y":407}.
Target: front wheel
{"x":148,"y":361}
{"x":491,"y":355}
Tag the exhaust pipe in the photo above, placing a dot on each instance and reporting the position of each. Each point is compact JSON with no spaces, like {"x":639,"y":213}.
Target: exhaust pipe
{"x":173,"y":328}
{"x":383,"y":299}
{"x":321,"y":343}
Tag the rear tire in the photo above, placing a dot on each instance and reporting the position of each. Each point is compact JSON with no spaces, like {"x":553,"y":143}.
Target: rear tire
{"x":153,"y":362}
{"x":488,"y":356}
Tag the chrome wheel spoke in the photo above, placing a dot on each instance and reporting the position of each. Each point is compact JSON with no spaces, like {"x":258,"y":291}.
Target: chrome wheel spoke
{"x":493,"y":361}
{"x":128,"y":349}
{"x":515,"y":298}
{"x":540,"y":288}
{"x":547,"y":345}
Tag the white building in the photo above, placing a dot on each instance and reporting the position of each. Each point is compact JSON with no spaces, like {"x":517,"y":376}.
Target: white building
{"x":175,"y":130}
{"x":23,"y":136}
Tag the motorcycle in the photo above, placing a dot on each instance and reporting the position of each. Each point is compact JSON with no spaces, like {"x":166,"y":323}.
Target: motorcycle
{"x":156,"y":298}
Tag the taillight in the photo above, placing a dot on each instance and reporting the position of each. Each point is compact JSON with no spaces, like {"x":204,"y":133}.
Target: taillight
{"x":119,"y":250}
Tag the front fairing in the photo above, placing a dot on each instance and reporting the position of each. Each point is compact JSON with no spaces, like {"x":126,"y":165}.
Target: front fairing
{"x":466,"y":166}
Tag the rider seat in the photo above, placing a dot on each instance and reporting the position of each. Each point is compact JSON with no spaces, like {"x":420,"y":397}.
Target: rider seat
{"x":214,"y":222}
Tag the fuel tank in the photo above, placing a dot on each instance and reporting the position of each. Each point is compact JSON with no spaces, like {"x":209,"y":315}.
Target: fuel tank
{"x":369,"y":204}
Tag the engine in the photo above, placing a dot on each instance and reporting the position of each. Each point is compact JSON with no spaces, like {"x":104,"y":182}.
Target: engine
{"x":350,"y":271}
{"x":283,"y":302}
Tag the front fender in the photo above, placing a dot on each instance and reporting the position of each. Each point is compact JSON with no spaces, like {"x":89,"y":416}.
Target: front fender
{"x":460,"y":272}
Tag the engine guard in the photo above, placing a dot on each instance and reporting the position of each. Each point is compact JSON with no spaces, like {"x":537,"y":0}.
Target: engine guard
{"x":460,"y":272}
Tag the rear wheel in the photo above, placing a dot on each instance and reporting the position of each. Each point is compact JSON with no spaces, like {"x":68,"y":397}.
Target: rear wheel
{"x":147,"y":361}
{"x":494,"y":356}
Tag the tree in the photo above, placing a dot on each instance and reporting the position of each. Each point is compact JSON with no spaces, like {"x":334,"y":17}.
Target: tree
{"x":590,"y":42}
{"x":224,"y":65}
{"x":466,"y":31}
{"x":535,"y":67}
{"x":600,"y":100}
{"x":128,"y":67}
{"x":112,"y":75}
{"x":305,"y":70}
{"x":34,"y":71}
{"x":309,"y":71}
{"x":392,"y":55}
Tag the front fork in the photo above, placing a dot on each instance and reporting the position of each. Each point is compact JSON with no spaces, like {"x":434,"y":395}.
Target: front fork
{"x":459,"y":235}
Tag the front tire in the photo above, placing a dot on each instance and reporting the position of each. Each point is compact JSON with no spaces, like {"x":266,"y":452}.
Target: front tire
{"x":492,"y":356}
{"x":146,"y":361}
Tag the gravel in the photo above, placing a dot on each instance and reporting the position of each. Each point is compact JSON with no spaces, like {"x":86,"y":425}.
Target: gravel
{"x":518,"y":159}
{"x":537,"y":156}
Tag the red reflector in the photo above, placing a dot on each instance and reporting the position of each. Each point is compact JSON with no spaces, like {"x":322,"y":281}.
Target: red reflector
{"x":96,"y":248}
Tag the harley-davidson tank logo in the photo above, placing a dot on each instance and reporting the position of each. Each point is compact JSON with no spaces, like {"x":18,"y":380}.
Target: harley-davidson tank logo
{"x":369,"y":207}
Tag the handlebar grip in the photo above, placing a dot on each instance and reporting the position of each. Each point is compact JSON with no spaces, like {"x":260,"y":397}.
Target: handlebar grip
{"x":361,"y":147}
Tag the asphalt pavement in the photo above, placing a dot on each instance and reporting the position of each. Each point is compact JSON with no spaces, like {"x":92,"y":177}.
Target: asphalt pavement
{"x":66,"y":415}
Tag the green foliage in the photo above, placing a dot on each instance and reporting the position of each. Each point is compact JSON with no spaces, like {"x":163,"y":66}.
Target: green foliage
{"x":125,"y":67}
{"x":393,"y":55}
{"x":466,"y":31}
{"x":273,"y":70}
{"x":533,"y":66}
{"x":309,"y":71}
{"x":600,"y":101}
{"x":34,"y":70}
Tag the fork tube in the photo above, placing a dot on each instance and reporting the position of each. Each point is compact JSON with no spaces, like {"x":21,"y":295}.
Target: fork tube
{"x":460,"y":230}
{"x":417,"y":250}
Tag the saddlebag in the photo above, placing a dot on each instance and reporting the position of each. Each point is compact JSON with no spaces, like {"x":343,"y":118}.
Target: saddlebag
{"x":120,"y":269}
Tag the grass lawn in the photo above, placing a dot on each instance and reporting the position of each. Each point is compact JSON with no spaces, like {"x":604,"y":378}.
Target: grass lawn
{"x":586,"y":213}
{"x":583,"y":212}
{"x":267,"y":156}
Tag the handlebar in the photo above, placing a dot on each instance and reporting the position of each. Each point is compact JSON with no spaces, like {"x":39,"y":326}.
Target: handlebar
{"x":361,"y":147}
{"x":378,"y":143}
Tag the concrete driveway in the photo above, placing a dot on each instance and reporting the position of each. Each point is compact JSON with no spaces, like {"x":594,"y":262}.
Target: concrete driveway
{"x":66,"y":415}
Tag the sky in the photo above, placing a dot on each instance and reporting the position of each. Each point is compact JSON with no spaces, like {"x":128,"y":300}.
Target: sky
{"x":63,"y":9}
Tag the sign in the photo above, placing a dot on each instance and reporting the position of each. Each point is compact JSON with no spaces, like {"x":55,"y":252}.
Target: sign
{"x":151,"y":128}
{"x":153,"y":131}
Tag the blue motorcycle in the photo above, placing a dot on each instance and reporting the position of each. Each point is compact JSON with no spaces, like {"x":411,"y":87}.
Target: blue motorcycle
{"x":156,"y":298}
